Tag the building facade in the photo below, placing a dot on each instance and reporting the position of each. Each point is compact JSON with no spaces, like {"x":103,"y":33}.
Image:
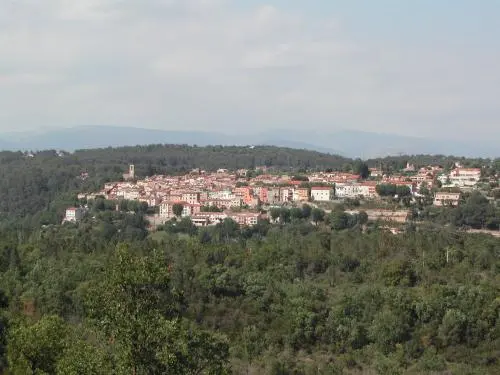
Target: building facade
{"x":322,"y":193}
{"x":74,"y":214}
{"x":446,"y":199}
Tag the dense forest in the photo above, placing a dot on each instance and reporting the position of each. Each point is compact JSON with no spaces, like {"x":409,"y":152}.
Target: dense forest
{"x":104,"y":297}
{"x":315,"y":293}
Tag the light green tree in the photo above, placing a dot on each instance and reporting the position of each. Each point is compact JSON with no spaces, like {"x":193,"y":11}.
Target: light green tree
{"x":140,"y":312}
{"x":36,"y":348}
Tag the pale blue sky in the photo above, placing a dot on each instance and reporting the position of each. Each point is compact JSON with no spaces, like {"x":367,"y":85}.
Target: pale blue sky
{"x":420,"y":67}
{"x":420,"y":21}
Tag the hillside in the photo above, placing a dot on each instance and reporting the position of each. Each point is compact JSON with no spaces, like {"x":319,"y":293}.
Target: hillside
{"x":31,"y":184}
{"x":102,"y":297}
{"x":303,"y":291}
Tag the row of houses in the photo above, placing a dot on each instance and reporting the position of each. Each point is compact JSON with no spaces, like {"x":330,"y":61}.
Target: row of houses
{"x":461,"y":177}
{"x":225,"y":190}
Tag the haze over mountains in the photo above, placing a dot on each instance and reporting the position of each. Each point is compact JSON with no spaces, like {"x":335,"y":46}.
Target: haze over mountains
{"x":348,"y":143}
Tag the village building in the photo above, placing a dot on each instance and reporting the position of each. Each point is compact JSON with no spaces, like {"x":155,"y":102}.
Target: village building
{"x":131,"y":173}
{"x":301,"y":194}
{"x":74,"y":214}
{"x":322,"y":193}
{"x":446,"y":199}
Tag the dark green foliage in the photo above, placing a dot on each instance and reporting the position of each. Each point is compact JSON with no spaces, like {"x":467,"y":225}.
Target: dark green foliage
{"x":280,"y":294}
{"x":389,"y":190}
{"x":396,"y":163}
{"x":177,"y":209}
{"x":475,"y":211}
{"x":361,"y":168}
{"x":309,"y":294}
{"x":317,"y":215}
{"x":4,"y":304}
{"x":210,"y":209}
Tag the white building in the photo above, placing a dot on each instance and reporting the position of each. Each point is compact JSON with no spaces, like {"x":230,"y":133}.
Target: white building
{"x":286,"y":195}
{"x":130,"y":194}
{"x":465,"y":176}
{"x":355,"y":190}
{"x":462,"y":177}
{"x":191,"y":197}
{"x":245,"y":218}
{"x":321,"y":193}
{"x":235,"y":202}
{"x":222,"y":194}
{"x":345,"y":190}
{"x":131,"y":173}
{"x":446,"y":199}
{"x":74,"y":214}
{"x":167,"y":209}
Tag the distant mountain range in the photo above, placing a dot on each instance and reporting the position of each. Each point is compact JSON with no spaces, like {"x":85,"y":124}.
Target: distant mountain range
{"x":347,"y":143}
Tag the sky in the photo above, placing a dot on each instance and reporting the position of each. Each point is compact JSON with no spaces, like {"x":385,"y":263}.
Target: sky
{"x":416,"y":67}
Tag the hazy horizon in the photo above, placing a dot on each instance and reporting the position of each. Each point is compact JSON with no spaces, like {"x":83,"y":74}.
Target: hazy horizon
{"x":421,"y":69}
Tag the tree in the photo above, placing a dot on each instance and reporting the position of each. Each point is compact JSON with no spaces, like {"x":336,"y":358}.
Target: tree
{"x":476,"y":212}
{"x":252,"y":343}
{"x":210,"y":209}
{"x":388,"y":329}
{"x":82,"y":357}
{"x":227,"y":229}
{"x":36,"y":348}
{"x":306,"y":210}
{"x":137,"y":308}
{"x":453,"y":327}
{"x":398,"y":272}
{"x":339,"y":220}
{"x":296,"y":213}
{"x":185,"y":225}
{"x":347,"y":167}
{"x":496,"y":194}
{"x":362,"y":169}
{"x":4,"y":303}
{"x":177,"y":209}
{"x":205,"y":237}
{"x":317,"y":215}
{"x":362,"y":217}
{"x":285,"y":215}
{"x":391,"y":190}
{"x":300,"y":178}
{"x":274,"y":213}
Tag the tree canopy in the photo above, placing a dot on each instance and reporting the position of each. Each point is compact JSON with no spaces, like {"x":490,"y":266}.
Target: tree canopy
{"x":309,"y":291}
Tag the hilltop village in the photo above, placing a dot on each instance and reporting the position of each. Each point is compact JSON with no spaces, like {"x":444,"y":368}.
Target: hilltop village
{"x":245,"y":195}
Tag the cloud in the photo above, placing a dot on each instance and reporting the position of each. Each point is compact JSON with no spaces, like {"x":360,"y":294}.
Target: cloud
{"x":209,"y":64}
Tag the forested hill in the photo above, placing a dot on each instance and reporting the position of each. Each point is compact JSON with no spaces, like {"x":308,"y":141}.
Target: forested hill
{"x":29,"y":183}
{"x":153,"y":159}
